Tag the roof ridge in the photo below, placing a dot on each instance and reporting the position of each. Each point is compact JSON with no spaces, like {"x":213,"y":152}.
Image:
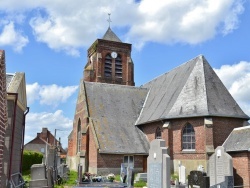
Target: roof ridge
{"x":203,"y":60}
{"x":174,"y":68}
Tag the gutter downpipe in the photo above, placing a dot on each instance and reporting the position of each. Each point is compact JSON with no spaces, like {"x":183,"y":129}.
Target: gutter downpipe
{"x":12,"y":133}
{"x":24,"y":118}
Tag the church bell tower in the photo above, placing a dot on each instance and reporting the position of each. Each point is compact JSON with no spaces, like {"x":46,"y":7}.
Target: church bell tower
{"x":109,"y":61}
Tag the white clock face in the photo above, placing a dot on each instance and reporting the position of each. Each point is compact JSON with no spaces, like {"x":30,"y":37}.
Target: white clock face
{"x":114,"y":54}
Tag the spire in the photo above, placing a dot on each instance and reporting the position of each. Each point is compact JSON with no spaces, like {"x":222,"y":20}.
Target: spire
{"x":110,"y":35}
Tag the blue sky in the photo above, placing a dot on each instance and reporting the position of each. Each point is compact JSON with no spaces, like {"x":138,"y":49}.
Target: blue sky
{"x":48,"y":41}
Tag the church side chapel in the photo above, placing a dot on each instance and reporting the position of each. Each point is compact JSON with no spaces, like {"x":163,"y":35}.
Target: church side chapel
{"x":114,"y":122}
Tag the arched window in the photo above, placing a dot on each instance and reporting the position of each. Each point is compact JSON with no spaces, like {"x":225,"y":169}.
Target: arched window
{"x":79,"y":136}
{"x":108,"y":66}
{"x":158,"y":133}
{"x":118,"y":67}
{"x":188,"y":137}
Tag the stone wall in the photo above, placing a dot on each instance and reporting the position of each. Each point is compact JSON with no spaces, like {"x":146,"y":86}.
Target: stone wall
{"x":3,"y":112}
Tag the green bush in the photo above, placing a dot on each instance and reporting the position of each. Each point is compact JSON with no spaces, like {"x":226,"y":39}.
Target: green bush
{"x":72,"y":178}
{"x":30,"y":158}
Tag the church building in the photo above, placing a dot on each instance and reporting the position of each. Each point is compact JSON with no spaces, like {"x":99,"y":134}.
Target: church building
{"x":114,"y":122}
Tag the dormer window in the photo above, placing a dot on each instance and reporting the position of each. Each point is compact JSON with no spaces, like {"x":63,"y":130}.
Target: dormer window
{"x":108,"y":66}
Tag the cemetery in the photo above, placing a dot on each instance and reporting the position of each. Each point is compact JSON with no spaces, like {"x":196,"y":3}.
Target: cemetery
{"x":174,"y":125}
{"x":181,"y":129}
{"x":219,"y":174}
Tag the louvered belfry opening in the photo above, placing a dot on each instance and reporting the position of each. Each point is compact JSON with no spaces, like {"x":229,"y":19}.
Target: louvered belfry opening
{"x":108,"y":66}
{"x":118,"y":67}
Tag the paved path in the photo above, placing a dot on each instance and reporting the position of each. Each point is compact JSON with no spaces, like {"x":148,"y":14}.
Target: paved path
{"x":101,"y":184}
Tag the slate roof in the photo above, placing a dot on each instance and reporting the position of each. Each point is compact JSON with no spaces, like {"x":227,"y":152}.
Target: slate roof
{"x":9,"y":77}
{"x":190,"y":90}
{"x":113,"y":110}
{"x":111,"y":36}
{"x":238,"y":140}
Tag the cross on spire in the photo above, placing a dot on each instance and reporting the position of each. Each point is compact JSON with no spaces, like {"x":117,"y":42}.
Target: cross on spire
{"x":109,"y":20}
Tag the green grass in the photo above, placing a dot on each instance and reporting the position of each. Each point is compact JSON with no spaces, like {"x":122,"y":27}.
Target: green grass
{"x":69,"y":182}
{"x":72,"y":178}
{"x":140,"y":184}
{"x":26,"y":175}
{"x":117,"y":178}
{"x":174,"y":176}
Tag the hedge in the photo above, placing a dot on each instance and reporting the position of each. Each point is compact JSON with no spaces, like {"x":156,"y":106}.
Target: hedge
{"x":30,"y":158}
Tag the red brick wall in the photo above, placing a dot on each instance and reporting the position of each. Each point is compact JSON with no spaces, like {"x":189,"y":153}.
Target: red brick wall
{"x":115,"y":160}
{"x":70,"y":147}
{"x":80,"y":114}
{"x":104,"y":47}
{"x":92,"y":151}
{"x":241,"y":164}
{"x":3,"y":110}
{"x":223,"y":127}
{"x":216,"y":135}
{"x":173,"y":137}
{"x":111,"y":161}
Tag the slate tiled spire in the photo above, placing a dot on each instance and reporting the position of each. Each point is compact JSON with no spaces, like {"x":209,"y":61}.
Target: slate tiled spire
{"x":111,"y":36}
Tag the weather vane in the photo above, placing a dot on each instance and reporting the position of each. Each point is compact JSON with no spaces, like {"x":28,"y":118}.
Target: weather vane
{"x":109,"y":20}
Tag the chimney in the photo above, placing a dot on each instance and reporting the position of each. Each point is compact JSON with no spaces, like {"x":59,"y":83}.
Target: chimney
{"x":44,"y":130}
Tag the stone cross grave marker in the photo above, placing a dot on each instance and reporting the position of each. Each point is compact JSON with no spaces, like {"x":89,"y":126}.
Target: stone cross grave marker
{"x":182,"y":173}
{"x":221,"y":169}
{"x":158,"y":173}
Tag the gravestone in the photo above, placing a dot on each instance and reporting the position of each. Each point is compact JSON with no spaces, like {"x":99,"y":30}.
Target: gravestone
{"x":79,"y":173}
{"x":38,"y":176}
{"x":182,"y":173}
{"x":123,"y":174}
{"x":130,"y":176}
{"x":221,"y":169}
{"x":198,"y":179}
{"x":50,"y":158}
{"x":50,"y":177}
{"x":158,"y":173}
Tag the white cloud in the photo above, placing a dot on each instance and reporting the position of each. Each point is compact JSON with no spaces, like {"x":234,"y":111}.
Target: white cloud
{"x":12,"y":37}
{"x":236,"y":78}
{"x":191,"y":21}
{"x":70,"y":26}
{"x":32,"y":91}
{"x":231,"y":21}
{"x":36,"y":121}
{"x":51,"y":95}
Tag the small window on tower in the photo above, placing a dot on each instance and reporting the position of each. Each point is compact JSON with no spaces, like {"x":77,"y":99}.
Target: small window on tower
{"x":118,"y":67}
{"x":158,"y":133}
{"x":108,"y":66}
